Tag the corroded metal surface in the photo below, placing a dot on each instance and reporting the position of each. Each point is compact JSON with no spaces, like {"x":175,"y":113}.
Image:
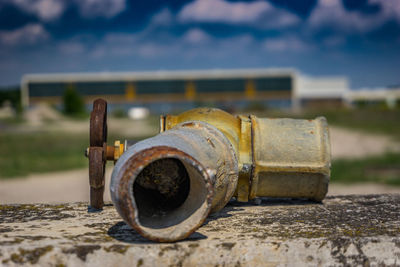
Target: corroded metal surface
{"x":96,"y":176}
{"x":277,"y":157}
{"x":97,"y":152}
{"x":291,"y":158}
{"x":98,"y":123}
{"x":342,"y":231}
{"x":210,"y":162}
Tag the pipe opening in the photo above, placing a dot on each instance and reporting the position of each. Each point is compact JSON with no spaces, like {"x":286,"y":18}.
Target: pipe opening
{"x":161,"y":186}
{"x":168,"y":192}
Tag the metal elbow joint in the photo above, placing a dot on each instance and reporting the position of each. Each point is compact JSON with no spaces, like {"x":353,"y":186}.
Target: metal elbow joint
{"x":166,"y":186}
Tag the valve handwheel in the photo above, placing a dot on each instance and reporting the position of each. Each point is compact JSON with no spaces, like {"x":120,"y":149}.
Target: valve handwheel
{"x":96,"y":153}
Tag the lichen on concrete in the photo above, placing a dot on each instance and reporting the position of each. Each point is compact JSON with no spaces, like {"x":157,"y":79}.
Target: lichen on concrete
{"x":81,"y":251}
{"x":343,"y":230}
{"x":32,"y":212}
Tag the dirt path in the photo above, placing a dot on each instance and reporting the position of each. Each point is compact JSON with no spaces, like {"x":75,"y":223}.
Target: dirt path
{"x":122,"y":127}
{"x":347,"y":143}
{"x":54,"y":187}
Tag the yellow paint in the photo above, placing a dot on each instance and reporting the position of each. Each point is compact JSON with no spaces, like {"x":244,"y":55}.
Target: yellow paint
{"x":282,"y":152}
{"x":190,"y":90}
{"x":250,"y":91}
{"x":118,"y":150}
{"x":223,"y":121}
{"x":151,"y":98}
{"x":245,"y":159}
{"x":236,"y":128}
{"x":130,"y":91}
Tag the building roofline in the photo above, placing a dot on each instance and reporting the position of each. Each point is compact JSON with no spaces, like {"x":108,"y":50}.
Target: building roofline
{"x":324,"y":77}
{"x":157,"y":75}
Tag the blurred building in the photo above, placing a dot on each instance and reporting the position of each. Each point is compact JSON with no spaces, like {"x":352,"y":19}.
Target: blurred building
{"x":283,"y":86}
{"x":372,"y":96}
{"x":322,"y":91}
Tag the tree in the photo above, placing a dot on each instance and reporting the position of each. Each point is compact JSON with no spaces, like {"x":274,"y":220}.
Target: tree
{"x":73,"y":102}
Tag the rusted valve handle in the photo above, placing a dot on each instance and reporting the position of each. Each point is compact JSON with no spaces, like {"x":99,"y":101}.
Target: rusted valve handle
{"x":97,"y":150}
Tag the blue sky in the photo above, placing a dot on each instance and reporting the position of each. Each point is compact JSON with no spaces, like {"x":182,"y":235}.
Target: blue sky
{"x":356,"y":38}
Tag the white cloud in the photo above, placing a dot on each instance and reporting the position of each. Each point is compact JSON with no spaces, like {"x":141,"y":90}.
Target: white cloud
{"x":141,"y":44}
{"x":286,"y":44}
{"x":115,"y":44}
{"x":97,"y":53}
{"x":196,"y":36}
{"x":71,"y":48}
{"x":28,"y":34}
{"x":332,"y":14}
{"x":123,"y":38}
{"x":221,"y":11}
{"x":193,"y":44}
{"x":258,"y":13}
{"x":164,"y":17}
{"x":44,"y":9}
{"x":390,"y":8}
{"x":47,"y":10}
{"x":101,"y":8}
{"x":151,"y":50}
{"x":334,"y":41}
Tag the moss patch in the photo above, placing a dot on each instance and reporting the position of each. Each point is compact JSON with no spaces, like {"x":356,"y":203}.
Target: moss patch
{"x":350,"y":216}
{"x":228,"y":245}
{"x":117,"y":248}
{"x":82,"y":251}
{"x":28,"y":255}
{"x":27,"y":212}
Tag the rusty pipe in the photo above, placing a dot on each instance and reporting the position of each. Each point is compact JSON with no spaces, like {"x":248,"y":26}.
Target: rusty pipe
{"x":165,"y":186}
{"x":278,"y":157}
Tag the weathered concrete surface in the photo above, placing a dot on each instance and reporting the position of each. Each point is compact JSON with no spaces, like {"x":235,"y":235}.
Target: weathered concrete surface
{"x":344,"y":230}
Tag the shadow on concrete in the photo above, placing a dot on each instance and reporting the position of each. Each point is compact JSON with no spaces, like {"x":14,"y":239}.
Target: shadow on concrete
{"x":234,"y":206}
{"x":124,"y":233}
{"x":268,"y":201}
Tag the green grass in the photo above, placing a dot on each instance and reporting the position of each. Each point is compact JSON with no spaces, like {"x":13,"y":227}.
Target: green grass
{"x":379,"y":169}
{"x":382,"y":121}
{"x":25,"y":153}
{"x":22,"y":154}
{"x":374,"y":120}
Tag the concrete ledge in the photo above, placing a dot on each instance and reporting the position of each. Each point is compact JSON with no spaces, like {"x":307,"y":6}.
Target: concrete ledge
{"x":353,"y":230}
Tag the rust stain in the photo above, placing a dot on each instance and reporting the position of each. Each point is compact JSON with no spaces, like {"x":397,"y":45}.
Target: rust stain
{"x":133,"y":167}
{"x":210,"y":142}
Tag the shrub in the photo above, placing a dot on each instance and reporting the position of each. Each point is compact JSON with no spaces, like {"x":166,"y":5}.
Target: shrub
{"x":119,"y":113}
{"x":13,"y":95}
{"x":73,"y":102}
